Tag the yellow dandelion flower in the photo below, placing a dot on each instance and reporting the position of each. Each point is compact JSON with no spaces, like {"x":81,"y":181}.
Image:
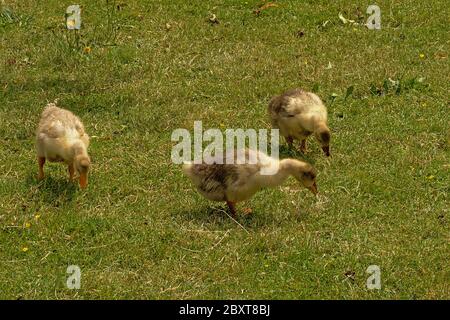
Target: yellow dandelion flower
{"x":87,"y":50}
{"x":431,"y":177}
{"x":24,"y":249}
{"x":421,"y":56}
{"x":37,"y":216}
{"x":27,"y":225}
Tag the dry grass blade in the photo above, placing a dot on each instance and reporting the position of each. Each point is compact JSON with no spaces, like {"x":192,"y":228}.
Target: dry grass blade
{"x":264,"y":7}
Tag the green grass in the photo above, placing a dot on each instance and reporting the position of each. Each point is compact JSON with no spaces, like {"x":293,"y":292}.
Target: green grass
{"x":141,"y":230}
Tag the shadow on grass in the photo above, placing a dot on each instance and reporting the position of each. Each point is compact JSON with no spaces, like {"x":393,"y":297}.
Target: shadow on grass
{"x":217,"y":216}
{"x":56,"y":192}
{"x":294,"y":153}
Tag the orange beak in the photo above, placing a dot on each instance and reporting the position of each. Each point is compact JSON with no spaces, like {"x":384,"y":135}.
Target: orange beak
{"x":83,"y":180}
{"x":313,"y":188}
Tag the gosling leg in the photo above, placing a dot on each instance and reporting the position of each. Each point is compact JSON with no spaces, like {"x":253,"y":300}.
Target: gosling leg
{"x":71,"y":171}
{"x":41,"y":161}
{"x":303,"y":146}
{"x":232,"y":207}
{"x":290,"y":141}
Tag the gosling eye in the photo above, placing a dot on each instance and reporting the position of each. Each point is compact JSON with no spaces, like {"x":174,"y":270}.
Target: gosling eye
{"x":325,"y":137}
{"x":309,"y":175}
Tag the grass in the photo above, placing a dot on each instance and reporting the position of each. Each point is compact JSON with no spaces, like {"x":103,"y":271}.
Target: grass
{"x":141,"y":231}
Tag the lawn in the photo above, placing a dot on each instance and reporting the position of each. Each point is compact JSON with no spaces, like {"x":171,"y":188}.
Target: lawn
{"x":139,"y":69}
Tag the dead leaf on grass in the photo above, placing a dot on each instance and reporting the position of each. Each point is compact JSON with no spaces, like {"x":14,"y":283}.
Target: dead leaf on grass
{"x":213,"y":19}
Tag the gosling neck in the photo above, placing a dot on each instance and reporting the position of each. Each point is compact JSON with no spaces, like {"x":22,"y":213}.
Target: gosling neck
{"x":291,"y":166}
{"x":320,"y":126}
{"x":79,"y":149}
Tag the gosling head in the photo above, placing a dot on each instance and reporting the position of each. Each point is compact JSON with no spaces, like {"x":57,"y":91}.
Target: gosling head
{"x":82,"y":164}
{"x":323,"y":135}
{"x":307,"y":177}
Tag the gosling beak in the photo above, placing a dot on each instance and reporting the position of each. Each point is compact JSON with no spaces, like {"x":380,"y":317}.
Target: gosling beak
{"x":313,"y":188}
{"x":83,"y":180}
{"x":326,"y":150}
